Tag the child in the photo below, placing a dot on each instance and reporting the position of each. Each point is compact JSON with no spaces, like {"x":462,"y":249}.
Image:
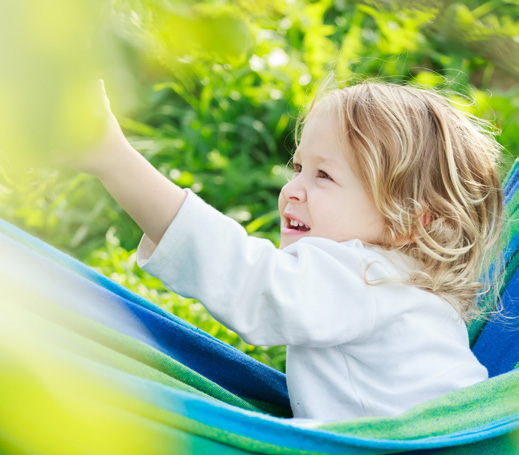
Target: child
{"x":393,"y":200}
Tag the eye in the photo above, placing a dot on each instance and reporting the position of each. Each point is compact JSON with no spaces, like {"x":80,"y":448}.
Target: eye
{"x":297,"y":168}
{"x":323,"y":175}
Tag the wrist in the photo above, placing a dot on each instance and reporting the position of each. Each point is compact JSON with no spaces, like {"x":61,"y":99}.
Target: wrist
{"x":113,"y":159}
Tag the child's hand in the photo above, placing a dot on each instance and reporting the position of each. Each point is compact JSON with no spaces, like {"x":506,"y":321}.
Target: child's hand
{"x":110,"y":147}
{"x":149,"y":197}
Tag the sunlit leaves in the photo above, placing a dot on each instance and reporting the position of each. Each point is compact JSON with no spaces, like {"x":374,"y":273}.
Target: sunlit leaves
{"x":180,"y":34}
{"x":47,"y":77}
{"x":53,"y":52}
{"x":488,"y":35}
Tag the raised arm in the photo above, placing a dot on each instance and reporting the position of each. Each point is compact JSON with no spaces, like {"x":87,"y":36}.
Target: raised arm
{"x":143,"y":192}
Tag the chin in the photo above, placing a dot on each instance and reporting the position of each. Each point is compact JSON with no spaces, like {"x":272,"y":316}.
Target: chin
{"x":284,"y":242}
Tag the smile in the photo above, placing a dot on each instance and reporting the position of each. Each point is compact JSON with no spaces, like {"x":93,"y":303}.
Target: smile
{"x":298,"y":226}
{"x":294,"y":226}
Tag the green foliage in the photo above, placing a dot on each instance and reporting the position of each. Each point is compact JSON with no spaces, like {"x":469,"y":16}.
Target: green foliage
{"x":220,"y":119}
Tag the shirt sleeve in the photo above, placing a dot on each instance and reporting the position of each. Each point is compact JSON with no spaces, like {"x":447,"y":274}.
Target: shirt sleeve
{"x":311,"y":293}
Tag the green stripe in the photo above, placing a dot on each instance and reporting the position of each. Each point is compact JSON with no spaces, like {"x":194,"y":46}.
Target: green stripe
{"x":110,"y":347}
{"x":463,"y":409}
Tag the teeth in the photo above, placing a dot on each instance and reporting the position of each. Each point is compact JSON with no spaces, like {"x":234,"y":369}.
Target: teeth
{"x":296,"y":223}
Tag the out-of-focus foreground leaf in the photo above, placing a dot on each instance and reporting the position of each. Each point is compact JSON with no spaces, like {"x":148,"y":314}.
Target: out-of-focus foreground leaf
{"x":53,"y":52}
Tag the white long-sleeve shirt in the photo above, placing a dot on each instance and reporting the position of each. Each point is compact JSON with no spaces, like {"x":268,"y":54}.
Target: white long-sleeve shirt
{"x":353,"y":349}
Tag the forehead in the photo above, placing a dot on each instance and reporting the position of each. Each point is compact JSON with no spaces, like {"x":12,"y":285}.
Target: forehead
{"x":324,"y":138}
{"x":328,"y":156}
{"x":321,"y":135}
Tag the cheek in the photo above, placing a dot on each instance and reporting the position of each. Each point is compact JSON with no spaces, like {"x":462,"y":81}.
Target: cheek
{"x":345,"y":215}
{"x":371,"y":212}
{"x":282,"y":203}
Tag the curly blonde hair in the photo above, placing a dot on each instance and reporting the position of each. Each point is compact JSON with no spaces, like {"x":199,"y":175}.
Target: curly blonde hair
{"x":432,"y":171}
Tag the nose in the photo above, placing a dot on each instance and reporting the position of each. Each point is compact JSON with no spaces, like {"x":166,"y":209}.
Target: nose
{"x":294,"y":191}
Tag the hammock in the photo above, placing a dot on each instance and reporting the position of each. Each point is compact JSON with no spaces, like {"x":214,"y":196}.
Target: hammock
{"x":88,"y":367}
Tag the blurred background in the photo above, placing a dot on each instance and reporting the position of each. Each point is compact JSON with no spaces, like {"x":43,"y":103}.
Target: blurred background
{"x":209,"y":92}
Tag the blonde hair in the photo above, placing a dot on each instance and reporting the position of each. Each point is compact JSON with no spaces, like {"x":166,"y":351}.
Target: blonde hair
{"x":432,"y":172}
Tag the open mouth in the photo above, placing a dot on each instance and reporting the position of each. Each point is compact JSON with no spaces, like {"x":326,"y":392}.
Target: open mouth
{"x":296,"y":225}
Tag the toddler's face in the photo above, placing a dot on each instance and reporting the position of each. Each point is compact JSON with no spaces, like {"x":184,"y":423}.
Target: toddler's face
{"x":325,"y":198}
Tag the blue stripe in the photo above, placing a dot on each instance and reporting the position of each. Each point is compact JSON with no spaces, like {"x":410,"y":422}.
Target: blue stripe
{"x":511,"y":179}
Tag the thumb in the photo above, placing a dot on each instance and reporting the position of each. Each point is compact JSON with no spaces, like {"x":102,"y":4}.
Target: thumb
{"x":102,"y":98}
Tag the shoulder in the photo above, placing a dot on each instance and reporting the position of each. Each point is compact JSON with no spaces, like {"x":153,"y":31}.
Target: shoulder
{"x":318,"y":245}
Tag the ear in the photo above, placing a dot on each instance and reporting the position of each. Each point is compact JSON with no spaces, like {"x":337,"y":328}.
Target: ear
{"x":426,"y":218}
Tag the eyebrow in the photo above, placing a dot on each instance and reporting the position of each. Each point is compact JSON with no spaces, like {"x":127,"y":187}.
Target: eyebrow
{"x":318,"y":159}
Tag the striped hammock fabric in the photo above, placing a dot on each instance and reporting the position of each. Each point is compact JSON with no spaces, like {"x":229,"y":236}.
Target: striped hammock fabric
{"x":88,"y":367}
